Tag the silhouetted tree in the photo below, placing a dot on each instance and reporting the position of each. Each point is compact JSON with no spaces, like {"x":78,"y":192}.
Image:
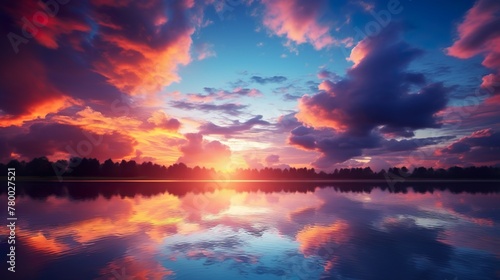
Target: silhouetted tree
{"x":90,"y":167}
{"x":39,"y":167}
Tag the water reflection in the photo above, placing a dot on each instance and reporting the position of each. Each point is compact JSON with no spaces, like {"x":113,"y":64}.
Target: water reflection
{"x":256,"y":231}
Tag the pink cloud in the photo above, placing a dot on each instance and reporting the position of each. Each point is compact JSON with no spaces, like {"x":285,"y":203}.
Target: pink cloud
{"x":298,"y":21}
{"x":144,"y":57}
{"x":204,"y":51}
{"x":480,"y":147}
{"x":198,"y":151}
{"x":479,"y":34}
{"x":161,"y":120}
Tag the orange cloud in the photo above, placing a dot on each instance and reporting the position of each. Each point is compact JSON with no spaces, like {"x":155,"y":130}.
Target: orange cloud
{"x":313,"y":238}
{"x":198,"y":151}
{"x":30,"y":94}
{"x":359,"y":52}
{"x":314,"y":114}
{"x":142,"y":61}
{"x":155,"y":136}
{"x":47,"y":245}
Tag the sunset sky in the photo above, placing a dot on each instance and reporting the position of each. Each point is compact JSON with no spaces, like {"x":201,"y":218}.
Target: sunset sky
{"x":249,"y":83}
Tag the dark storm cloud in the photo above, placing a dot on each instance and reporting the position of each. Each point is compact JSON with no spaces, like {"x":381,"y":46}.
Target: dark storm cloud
{"x":376,"y":96}
{"x":377,"y":91}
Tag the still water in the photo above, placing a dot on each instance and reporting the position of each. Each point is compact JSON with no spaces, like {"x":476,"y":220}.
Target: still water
{"x":254,"y":231}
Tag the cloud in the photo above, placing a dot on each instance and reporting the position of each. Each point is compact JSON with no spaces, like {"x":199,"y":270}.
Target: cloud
{"x":235,"y":128}
{"x":341,"y":148}
{"x":198,"y":151}
{"x":347,"y":117}
{"x":299,"y":21}
{"x":140,"y":45}
{"x":396,"y":131}
{"x":25,"y":76}
{"x":48,"y":23}
{"x":92,"y":58}
{"x":377,"y":91}
{"x":139,"y":158}
{"x":161,"y":120}
{"x":54,"y":139}
{"x":336,"y":147}
{"x":267,"y":80}
{"x":253,"y":162}
{"x":227,"y":108}
{"x":295,"y":90}
{"x":272,"y":159}
{"x":212,"y":94}
{"x":480,"y":147}
{"x":143,"y":57}
{"x":287,"y":122}
{"x":393,"y":145}
{"x":367,"y":7}
{"x":479,"y":34}
{"x":327,"y":75}
{"x":204,"y":51}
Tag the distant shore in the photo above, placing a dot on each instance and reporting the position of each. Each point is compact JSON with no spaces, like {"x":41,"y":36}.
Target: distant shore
{"x":153,"y":180}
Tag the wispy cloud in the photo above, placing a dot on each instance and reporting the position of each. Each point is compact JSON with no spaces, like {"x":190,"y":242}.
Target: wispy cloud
{"x":267,"y":80}
{"x":236,"y":127}
{"x":227,"y":108}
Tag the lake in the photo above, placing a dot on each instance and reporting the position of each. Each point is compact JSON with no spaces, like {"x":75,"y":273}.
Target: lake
{"x":260,"y":230}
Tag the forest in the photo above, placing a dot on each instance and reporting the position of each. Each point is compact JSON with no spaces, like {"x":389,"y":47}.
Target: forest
{"x":93,"y":168}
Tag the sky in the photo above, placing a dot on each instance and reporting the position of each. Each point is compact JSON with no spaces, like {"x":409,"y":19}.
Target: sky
{"x":252,"y":84}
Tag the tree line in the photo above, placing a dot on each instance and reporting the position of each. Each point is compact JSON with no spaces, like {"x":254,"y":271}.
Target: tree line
{"x":93,"y":168}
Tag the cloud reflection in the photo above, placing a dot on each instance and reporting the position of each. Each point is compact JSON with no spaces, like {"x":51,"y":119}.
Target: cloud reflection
{"x":268,"y":235}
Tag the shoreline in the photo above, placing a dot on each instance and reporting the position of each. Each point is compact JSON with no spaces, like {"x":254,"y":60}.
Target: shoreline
{"x":146,"y":180}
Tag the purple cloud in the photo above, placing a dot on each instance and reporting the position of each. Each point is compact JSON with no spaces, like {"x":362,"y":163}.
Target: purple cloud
{"x":228,"y":108}
{"x":236,"y":127}
{"x":267,"y":80}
